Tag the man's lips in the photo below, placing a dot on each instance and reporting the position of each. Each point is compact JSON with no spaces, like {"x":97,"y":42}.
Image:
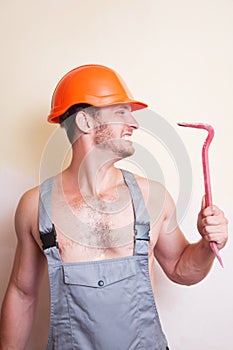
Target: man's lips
{"x":126,"y":136}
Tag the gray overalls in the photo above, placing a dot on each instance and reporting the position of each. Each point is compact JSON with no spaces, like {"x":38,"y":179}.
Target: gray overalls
{"x":101,"y":305}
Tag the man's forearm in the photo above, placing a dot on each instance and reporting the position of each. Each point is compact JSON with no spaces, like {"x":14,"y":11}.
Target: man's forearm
{"x":194,"y":264}
{"x":16,"y":320}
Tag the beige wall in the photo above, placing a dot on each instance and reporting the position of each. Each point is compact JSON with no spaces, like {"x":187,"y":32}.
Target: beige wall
{"x":177,"y":56}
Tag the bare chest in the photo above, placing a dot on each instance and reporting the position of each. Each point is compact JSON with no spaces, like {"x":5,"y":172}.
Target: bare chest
{"x":93,"y":229}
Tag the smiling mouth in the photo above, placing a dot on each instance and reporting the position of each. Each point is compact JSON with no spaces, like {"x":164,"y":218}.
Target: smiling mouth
{"x":127,"y":137}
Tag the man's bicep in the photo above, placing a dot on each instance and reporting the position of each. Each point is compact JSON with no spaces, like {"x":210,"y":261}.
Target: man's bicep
{"x":28,"y":268}
{"x":169,"y":249}
{"x":171,"y":242}
{"x":29,"y":260}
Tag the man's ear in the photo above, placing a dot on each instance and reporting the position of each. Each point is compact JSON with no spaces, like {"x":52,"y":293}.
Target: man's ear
{"x":84,"y":122}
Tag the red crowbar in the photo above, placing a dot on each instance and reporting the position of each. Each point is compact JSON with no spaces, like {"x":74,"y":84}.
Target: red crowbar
{"x":206,"y":172}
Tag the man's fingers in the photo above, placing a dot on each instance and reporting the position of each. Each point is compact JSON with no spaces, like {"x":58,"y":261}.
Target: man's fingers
{"x":211,"y":210}
{"x":215,"y":229}
{"x":214,"y":220}
{"x":212,"y":225}
{"x":218,"y":238}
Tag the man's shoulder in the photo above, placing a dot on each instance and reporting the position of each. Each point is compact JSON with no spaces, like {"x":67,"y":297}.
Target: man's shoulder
{"x":149,"y":185}
{"x":27,"y":209}
{"x":156,"y":197}
{"x":30,"y":196}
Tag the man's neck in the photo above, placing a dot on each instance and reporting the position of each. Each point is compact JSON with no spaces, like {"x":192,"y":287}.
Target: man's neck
{"x":92,"y":173}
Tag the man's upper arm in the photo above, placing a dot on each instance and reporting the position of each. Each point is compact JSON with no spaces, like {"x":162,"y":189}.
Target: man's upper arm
{"x":171,"y":242}
{"x":29,"y":259}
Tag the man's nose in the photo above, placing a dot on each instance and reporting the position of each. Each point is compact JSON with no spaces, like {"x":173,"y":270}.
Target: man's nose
{"x":132,"y":122}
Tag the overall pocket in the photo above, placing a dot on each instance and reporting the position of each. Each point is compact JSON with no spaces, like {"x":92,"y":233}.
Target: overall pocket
{"x":98,"y":273}
{"x":102,"y":304}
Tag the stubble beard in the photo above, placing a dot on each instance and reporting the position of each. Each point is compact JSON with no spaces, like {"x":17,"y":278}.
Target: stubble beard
{"x":105,"y":140}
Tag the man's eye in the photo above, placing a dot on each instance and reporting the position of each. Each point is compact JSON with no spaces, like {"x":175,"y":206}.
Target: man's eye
{"x":121,"y":111}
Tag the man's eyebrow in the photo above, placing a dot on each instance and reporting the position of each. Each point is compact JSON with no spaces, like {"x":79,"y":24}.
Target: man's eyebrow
{"x":123,"y":107}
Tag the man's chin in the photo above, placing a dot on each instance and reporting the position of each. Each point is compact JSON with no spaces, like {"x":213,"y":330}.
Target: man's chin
{"x":125,"y":153}
{"x":120,"y":150}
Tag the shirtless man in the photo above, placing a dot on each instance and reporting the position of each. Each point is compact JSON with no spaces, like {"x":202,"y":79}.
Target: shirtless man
{"x":99,"y":215}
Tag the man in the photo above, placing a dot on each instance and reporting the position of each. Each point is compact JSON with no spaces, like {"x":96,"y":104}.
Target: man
{"x":100,"y":228}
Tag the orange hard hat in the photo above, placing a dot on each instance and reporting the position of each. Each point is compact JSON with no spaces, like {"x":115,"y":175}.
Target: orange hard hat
{"x":90,"y":84}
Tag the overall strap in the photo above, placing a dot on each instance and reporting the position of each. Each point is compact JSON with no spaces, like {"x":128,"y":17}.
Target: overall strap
{"x":46,"y":227}
{"x":141,"y":216}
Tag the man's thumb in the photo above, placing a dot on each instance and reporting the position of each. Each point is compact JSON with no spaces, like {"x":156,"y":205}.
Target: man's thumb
{"x":203,"y":204}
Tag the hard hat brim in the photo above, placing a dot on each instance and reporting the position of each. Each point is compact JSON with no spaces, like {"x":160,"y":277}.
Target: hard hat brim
{"x":135,"y":106}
